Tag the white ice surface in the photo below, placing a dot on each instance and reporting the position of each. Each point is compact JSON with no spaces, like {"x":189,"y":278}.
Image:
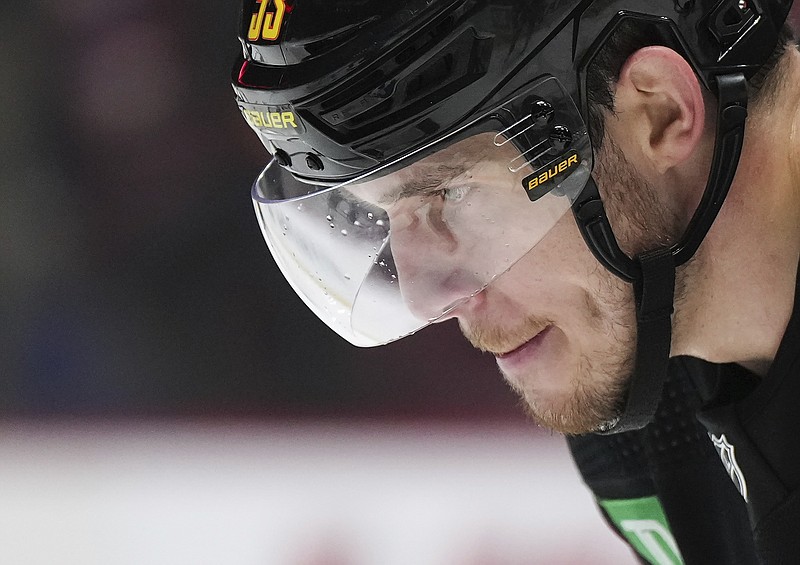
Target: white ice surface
{"x":285,"y":494}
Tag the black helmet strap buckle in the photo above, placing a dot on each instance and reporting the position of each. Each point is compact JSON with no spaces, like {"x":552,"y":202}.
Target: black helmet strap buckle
{"x":653,"y":273}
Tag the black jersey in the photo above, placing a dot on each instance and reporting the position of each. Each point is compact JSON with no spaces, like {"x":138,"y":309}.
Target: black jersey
{"x":755,"y":426}
{"x":745,"y":510}
{"x":663,"y":489}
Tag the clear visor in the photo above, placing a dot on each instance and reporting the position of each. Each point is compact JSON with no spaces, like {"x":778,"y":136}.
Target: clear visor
{"x":383,"y":255}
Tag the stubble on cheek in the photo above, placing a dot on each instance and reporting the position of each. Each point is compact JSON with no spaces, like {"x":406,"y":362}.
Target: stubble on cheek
{"x":593,"y":370}
{"x":593,"y":398}
{"x":595,"y":384}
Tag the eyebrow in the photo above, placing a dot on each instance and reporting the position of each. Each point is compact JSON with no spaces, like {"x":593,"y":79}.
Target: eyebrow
{"x":424,"y":182}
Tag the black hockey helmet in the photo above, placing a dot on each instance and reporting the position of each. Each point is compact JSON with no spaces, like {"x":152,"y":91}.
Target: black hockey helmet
{"x":364,"y":104}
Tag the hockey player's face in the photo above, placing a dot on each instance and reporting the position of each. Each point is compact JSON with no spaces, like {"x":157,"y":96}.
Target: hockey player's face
{"x":562,"y":330}
{"x":561,"y":327}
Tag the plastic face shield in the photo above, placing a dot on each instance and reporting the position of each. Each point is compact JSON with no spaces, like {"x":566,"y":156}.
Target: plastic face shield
{"x":383,"y":255}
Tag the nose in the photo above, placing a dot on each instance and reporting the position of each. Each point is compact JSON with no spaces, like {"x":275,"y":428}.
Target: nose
{"x":433,"y":262}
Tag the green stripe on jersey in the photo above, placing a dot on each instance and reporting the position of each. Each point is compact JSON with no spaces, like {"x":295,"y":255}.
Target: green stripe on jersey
{"x":644,"y":525}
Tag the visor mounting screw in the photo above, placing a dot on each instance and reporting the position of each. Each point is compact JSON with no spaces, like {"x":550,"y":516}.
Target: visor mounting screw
{"x":283,"y":158}
{"x":541,"y":112}
{"x":314,"y":163}
{"x":560,"y":138}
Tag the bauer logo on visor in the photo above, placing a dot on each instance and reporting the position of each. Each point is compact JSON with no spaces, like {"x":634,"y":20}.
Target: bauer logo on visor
{"x":547,"y":178}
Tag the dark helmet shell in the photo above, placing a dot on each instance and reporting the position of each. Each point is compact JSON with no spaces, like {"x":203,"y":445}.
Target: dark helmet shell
{"x":345,"y":86}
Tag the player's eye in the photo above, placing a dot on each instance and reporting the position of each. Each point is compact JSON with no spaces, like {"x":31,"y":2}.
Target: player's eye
{"x":454,"y":194}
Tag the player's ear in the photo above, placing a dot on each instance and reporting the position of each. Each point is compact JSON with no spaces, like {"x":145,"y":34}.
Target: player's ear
{"x":660,"y":105}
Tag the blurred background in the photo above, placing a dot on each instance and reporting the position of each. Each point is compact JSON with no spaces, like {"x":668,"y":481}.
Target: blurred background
{"x":165,"y":397}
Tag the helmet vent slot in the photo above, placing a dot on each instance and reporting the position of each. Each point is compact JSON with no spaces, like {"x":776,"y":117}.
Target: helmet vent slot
{"x":396,"y":94}
{"x":431,"y":77}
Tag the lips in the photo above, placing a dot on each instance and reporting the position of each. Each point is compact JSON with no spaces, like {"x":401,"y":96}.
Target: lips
{"x":521,"y":346}
{"x":524,"y":353}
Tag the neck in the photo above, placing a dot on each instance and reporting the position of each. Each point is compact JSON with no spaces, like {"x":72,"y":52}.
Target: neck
{"x":740,"y":286}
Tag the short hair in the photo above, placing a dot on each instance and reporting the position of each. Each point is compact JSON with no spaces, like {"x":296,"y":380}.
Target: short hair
{"x":630,"y":36}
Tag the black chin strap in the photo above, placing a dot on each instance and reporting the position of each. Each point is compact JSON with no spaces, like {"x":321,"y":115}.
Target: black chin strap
{"x":653,"y":277}
{"x":653,"y":273}
{"x":654,"y":292}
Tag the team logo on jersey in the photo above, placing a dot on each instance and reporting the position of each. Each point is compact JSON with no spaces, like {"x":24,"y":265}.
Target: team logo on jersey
{"x":727,"y":453}
{"x":548,"y":177}
{"x":266,"y":20}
